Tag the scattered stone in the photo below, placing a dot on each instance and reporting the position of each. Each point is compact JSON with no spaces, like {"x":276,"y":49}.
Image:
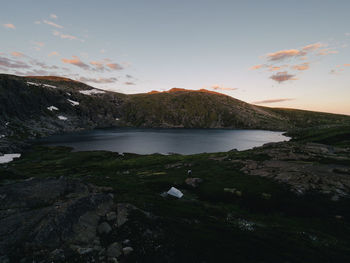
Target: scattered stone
{"x":194,"y":182}
{"x":104,"y":228}
{"x":84,"y":250}
{"x":111,"y":216}
{"x":175,"y":192}
{"x":114,"y":250}
{"x":127,"y":250}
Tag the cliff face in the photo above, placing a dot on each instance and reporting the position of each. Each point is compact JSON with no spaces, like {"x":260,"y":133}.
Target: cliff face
{"x":38,"y":106}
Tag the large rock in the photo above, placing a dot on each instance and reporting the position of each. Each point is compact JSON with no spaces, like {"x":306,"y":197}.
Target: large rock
{"x":49,"y":214}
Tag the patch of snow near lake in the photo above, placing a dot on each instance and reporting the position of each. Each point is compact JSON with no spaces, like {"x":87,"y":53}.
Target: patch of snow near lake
{"x":68,"y":94}
{"x":6,"y":158}
{"x":49,"y":86}
{"x":62,"y":118}
{"x":52,"y":108}
{"x":117,"y":119}
{"x":74,"y":103}
{"x":175,"y":192}
{"x":91,"y":91}
{"x":33,"y":83}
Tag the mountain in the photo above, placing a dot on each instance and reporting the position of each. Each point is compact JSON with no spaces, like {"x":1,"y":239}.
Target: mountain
{"x":38,"y":106}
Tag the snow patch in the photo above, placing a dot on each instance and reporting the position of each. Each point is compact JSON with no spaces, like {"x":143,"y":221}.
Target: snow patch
{"x":6,"y":158}
{"x":62,"y":118}
{"x":91,"y":91}
{"x":52,"y":108}
{"x":74,"y":103}
{"x":117,"y":119}
{"x":68,"y":94}
{"x":33,"y":83}
{"x":49,"y":86}
{"x":2,"y":136}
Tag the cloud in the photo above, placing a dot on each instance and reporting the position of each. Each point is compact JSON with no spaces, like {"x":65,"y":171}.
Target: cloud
{"x":40,"y":44}
{"x":313,"y":47}
{"x":346,"y":65}
{"x":129,"y":83}
{"x":301,"y":67}
{"x":64,"y":36}
{"x":284,"y":54}
{"x":129,"y":76}
{"x":98,"y":80}
{"x":52,"y":24}
{"x":53,"y":16}
{"x":217,"y":87}
{"x":53,"y":53}
{"x":11,"y":63}
{"x":106,"y":64}
{"x":282,"y":77}
{"x":275,"y":68}
{"x":272,"y":101}
{"x":76,"y":62}
{"x":257,"y":67}
{"x":347,"y":34}
{"x":327,"y":51}
{"x":114,"y":66}
{"x":9,"y":26}
{"x":17,"y":54}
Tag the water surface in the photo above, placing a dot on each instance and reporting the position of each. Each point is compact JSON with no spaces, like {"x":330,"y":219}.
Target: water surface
{"x":148,"y":141}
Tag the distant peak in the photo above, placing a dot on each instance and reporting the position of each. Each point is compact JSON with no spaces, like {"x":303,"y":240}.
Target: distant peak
{"x":52,"y":78}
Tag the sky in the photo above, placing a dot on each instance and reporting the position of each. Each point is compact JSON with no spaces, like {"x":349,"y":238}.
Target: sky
{"x":292,"y":54}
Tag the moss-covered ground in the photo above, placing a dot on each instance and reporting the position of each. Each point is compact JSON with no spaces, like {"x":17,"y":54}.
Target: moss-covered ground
{"x":262,"y":221}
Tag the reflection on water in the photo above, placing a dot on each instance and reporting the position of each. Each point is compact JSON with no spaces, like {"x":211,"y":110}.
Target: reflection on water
{"x":183,"y":141}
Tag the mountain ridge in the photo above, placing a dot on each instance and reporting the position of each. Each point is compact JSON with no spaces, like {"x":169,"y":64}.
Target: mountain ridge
{"x":34,"y":107}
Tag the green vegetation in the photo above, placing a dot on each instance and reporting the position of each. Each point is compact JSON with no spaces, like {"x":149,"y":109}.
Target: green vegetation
{"x":265,"y":222}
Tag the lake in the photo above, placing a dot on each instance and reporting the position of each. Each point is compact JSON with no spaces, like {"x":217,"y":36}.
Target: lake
{"x":164,"y":141}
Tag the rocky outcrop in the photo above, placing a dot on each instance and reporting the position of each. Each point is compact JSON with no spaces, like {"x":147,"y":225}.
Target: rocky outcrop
{"x":304,"y":167}
{"x":58,"y":220}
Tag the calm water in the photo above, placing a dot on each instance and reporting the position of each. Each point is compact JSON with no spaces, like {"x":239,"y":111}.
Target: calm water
{"x":183,"y":141}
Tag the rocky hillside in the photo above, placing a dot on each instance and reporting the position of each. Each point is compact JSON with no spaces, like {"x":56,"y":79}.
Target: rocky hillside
{"x":38,"y":106}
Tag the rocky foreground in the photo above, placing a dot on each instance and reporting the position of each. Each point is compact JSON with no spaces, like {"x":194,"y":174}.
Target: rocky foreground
{"x":60,"y":220}
{"x":267,"y":204}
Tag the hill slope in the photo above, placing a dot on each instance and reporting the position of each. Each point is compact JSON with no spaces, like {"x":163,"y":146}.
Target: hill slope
{"x":38,"y":106}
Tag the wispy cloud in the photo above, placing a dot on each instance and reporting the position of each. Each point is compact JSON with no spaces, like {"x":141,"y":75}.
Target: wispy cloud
{"x":76,"y":62}
{"x":17,"y":54}
{"x":50,"y":23}
{"x":301,"y":67}
{"x":272,"y":101}
{"x":53,"y":53}
{"x":284,"y":54}
{"x":105,"y":64}
{"x":218,"y":87}
{"x":313,"y":47}
{"x":129,"y":83}
{"x":11,"y":63}
{"x":53,"y":16}
{"x":327,"y":51}
{"x":65,"y":36}
{"x":9,"y":26}
{"x":282,"y":77}
{"x":98,"y":80}
{"x":257,"y":67}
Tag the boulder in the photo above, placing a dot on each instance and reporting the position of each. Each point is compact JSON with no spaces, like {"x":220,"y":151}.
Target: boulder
{"x":194,"y":182}
{"x":114,"y":250}
{"x":104,"y":228}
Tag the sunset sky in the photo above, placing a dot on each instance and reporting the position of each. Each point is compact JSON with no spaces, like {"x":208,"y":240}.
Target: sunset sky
{"x":274,"y":53}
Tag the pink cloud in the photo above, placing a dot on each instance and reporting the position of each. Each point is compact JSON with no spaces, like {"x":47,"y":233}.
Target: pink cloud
{"x":53,"y":53}
{"x":114,"y":66}
{"x":257,"y":67}
{"x":64,"y":36}
{"x":284,"y":54}
{"x":9,"y":26}
{"x":301,"y":67}
{"x":217,"y":87}
{"x":17,"y":54}
{"x":312,"y":47}
{"x":282,"y":77}
{"x":76,"y":62}
{"x":52,"y":24}
{"x":98,"y":80}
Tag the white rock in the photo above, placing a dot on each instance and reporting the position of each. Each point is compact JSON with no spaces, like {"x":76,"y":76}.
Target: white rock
{"x":74,"y":103}
{"x":175,"y":192}
{"x":2,"y":136}
{"x":52,"y":108}
{"x":6,"y":158}
{"x":91,"y":91}
{"x":62,"y":118}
